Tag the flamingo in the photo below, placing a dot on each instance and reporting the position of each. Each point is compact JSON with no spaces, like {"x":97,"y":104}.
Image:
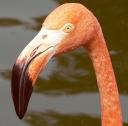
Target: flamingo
{"x":68,"y":27}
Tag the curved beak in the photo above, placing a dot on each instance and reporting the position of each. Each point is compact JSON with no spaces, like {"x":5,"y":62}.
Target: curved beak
{"x":29,"y":64}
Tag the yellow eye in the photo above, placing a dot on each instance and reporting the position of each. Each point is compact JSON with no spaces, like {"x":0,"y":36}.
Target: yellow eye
{"x":68,"y":28}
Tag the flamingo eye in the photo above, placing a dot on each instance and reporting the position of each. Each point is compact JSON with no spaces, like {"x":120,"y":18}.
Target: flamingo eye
{"x":68,"y":28}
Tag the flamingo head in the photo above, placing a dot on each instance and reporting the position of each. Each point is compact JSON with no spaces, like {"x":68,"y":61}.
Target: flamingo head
{"x":67,"y":27}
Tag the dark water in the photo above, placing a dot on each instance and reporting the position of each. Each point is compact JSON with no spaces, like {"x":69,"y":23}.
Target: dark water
{"x":66,"y":93}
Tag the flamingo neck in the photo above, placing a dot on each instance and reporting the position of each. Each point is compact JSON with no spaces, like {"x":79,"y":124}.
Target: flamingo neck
{"x":110,"y":103}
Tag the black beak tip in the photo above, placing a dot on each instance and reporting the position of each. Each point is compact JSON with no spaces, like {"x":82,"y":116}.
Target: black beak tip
{"x":21,"y":92}
{"x":20,"y":115}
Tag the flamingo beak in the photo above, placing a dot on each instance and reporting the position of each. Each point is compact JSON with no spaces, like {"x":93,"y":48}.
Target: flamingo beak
{"x":29,"y":64}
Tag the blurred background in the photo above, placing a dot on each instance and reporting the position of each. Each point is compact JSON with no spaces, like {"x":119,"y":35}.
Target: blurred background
{"x":66,"y":93}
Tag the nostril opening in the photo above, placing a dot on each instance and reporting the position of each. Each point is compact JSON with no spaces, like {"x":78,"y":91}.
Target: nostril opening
{"x":34,"y":51}
{"x":44,"y":36}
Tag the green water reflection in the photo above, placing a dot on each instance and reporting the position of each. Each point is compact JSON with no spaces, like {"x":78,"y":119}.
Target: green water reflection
{"x":6,"y":22}
{"x":55,"y":119}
